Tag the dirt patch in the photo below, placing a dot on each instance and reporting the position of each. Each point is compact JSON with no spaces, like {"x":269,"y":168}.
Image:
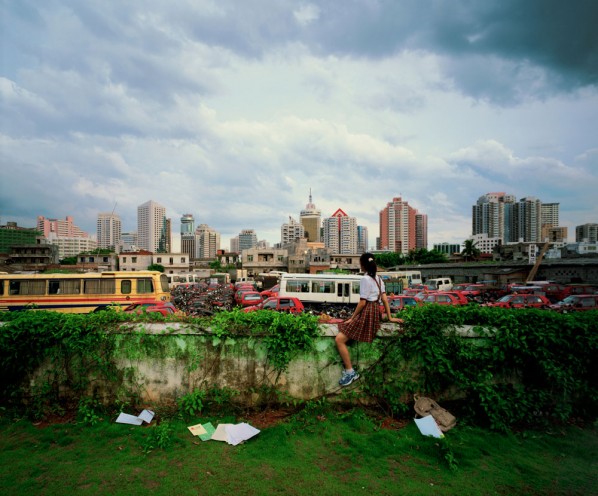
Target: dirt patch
{"x":267,"y":418}
{"x":54,"y":419}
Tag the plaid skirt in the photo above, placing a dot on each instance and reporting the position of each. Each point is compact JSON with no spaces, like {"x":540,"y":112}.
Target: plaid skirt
{"x":365,"y":326}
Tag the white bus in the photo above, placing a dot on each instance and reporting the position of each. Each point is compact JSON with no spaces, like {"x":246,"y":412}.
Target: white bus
{"x":409,"y":277}
{"x":176,"y":279}
{"x":317,"y":289}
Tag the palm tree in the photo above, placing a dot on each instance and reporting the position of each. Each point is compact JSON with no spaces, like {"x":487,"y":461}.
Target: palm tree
{"x":470,"y":251}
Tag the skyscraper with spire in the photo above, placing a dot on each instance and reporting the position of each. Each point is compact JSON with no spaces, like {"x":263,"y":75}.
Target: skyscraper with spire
{"x":311,"y":220}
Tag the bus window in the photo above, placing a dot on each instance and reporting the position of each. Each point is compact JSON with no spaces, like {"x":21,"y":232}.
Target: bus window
{"x":1,"y":288}
{"x":27,"y":287}
{"x":64,"y":286}
{"x":125,"y":286}
{"x":355,"y":287}
{"x":164,"y":283}
{"x":293,"y":286}
{"x":99,"y":286}
{"x":342,"y":289}
{"x":144,"y":286}
{"x":322,"y":287}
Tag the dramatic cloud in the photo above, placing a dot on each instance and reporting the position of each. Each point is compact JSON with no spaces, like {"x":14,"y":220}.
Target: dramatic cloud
{"x":233,"y":111}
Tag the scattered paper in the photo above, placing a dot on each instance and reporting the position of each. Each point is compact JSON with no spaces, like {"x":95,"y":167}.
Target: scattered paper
{"x":125,"y":418}
{"x":198,"y":429}
{"x":428,"y":426}
{"x":144,"y":416}
{"x":240,"y":432}
{"x":220,"y":433}
{"x":234,"y":433}
{"x":209,"y":431}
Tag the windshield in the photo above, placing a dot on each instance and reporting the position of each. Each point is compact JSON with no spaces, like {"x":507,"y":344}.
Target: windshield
{"x":505,"y":299}
{"x":570,"y":300}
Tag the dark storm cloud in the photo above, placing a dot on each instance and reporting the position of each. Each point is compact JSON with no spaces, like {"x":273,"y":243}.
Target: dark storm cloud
{"x":558,"y":37}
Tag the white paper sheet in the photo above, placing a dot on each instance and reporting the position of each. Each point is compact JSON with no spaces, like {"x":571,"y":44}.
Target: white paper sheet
{"x":146,"y":416}
{"x":428,"y":426}
{"x":125,"y":418}
{"x":220,"y":433}
{"x":240,"y":432}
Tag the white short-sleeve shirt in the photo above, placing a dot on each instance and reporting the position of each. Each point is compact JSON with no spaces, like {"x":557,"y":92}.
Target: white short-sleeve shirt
{"x":368,"y":289}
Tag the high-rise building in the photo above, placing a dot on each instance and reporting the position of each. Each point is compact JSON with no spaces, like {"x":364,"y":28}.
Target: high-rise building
{"x":151,"y":219}
{"x":108,"y":231}
{"x":550,"y":214}
{"x":291,"y":231}
{"x":399,"y":227}
{"x":165,"y":244}
{"x":207,"y":242}
{"x":421,"y":231}
{"x":311,"y":220}
{"x":247,"y":239}
{"x":340,"y":233}
{"x":362,"y":239}
{"x":587,"y":233}
{"x":501,"y":216}
{"x":234,"y":245}
{"x":188,"y":235}
{"x":60,"y":228}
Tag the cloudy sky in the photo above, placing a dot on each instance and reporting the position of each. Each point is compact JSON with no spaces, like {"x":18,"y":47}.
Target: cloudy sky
{"x":232,"y":110}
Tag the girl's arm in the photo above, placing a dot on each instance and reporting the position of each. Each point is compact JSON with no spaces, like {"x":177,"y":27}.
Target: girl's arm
{"x":387,"y":308}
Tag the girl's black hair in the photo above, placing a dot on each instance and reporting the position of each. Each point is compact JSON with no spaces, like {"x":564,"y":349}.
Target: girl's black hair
{"x":368,"y":263}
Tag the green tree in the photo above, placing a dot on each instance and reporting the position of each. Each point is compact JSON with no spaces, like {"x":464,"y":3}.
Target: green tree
{"x":470,"y":251}
{"x":158,"y":267}
{"x":216,"y":265}
{"x":389,"y":259}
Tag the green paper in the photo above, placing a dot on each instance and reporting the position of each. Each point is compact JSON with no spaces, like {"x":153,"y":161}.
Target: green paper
{"x":209,"y":431}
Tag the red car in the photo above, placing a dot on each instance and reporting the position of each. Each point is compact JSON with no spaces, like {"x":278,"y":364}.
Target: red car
{"x":249,"y":298}
{"x":273,"y":291}
{"x":400,"y":302}
{"x":521,"y":301}
{"x":445,"y":298}
{"x":163,"y":307}
{"x":279,"y":304}
{"x":239,"y":294}
{"x":577,"y":303}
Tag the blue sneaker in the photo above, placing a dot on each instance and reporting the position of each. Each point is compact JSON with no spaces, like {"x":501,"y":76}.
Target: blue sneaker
{"x":348,"y":377}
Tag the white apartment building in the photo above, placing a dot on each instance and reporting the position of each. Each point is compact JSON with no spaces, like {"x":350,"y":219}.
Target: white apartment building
{"x":108,"y":231}
{"x":151,"y":218}
{"x":291,"y":231}
{"x":340,"y":233}
{"x":207,"y":242}
{"x":71,"y":246}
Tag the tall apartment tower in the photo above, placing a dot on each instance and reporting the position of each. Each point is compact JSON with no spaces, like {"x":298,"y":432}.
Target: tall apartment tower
{"x":311,"y":220}
{"x":207,"y":242}
{"x":151,"y":218}
{"x":291,"y":231}
{"x":247,"y":239}
{"x":421,"y":231}
{"x":109,"y":231}
{"x":527,"y":220}
{"x":398,"y":227}
{"x":493,"y":215}
{"x":340,"y":233}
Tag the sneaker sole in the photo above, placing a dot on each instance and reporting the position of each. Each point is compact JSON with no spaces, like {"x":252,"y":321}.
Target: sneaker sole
{"x":351,"y":381}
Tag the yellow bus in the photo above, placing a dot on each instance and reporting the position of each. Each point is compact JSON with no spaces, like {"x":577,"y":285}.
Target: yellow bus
{"x":81,"y":293}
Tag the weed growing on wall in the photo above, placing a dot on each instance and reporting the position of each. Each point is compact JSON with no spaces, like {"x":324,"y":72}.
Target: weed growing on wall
{"x":531,"y":366}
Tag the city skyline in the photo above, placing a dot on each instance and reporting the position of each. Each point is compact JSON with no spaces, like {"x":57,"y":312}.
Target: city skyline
{"x":236,"y":117}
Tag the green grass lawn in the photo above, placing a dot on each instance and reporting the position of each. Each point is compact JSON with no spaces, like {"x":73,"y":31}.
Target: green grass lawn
{"x":319,"y":455}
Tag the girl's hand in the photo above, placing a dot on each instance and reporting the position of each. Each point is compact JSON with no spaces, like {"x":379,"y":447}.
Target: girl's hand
{"x":396,"y":320}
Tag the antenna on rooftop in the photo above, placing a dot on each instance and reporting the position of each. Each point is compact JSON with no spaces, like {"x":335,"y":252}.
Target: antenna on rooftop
{"x":115,"y":203}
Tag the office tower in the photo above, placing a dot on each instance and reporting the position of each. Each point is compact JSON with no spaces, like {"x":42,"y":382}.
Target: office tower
{"x":188,"y":235}
{"x":151,"y":217}
{"x":207,"y":242}
{"x":187,"y":225}
{"x":108,"y":231}
{"x":311,"y":220}
{"x":587,"y":233}
{"x":340,"y":233}
{"x":291,"y":231}
{"x":362,"y":239}
{"x":421,"y":231}
{"x":165,"y":244}
{"x":247,"y":239}
{"x":398,"y":227}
